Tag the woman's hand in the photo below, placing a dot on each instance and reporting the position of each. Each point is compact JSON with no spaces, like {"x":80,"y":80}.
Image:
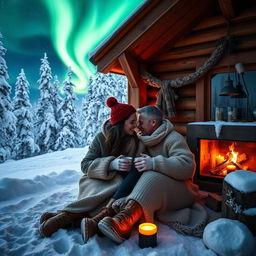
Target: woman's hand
{"x":121,"y":164}
{"x":144,"y":163}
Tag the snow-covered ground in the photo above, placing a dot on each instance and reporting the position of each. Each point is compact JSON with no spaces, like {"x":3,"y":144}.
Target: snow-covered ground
{"x":48,"y":182}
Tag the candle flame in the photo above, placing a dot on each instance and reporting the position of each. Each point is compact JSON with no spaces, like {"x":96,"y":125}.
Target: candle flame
{"x":147,"y":229}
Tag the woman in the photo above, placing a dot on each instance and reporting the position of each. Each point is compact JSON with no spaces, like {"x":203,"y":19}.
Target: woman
{"x":108,"y":174}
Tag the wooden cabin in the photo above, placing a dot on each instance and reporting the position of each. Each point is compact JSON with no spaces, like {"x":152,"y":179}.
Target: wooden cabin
{"x":174,"y":38}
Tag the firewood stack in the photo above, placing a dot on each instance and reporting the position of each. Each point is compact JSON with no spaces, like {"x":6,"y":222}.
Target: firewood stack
{"x":239,"y":198}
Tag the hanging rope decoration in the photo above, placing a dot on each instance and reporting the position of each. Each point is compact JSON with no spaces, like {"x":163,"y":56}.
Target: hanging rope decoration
{"x":166,"y":96}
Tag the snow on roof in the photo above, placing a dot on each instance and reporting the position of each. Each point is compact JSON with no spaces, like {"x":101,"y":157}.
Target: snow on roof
{"x":218,"y":125}
{"x":244,"y":181}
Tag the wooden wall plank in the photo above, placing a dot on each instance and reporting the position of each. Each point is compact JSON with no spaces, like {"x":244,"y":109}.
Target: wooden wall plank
{"x":186,"y":104}
{"x":184,"y":117}
{"x":180,"y":128}
{"x":244,"y":43}
{"x":219,"y":20}
{"x":240,"y":29}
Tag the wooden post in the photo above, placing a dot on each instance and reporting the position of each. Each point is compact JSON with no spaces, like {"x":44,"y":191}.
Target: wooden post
{"x":137,"y":95}
{"x":200,"y":97}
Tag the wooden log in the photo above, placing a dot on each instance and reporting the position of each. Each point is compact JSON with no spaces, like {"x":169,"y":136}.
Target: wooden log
{"x":215,"y":21}
{"x":186,"y":104}
{"x":182,"y":104}
{"x":184,"y":117}
{"x":182,"y":64}
{"x":244,"y":43}
{"x":171,"y":75}
{"x":180,"y":128}
{"x":234,"y":202}
{"x":215,"y":34}
{"x":183,"y":92}
{"x":186,"y":91}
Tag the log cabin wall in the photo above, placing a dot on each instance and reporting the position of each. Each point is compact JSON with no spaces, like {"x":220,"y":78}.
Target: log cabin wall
{"x":192,"y":51}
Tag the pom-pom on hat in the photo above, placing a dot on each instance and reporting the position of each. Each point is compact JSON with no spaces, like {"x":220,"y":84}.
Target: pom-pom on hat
{"x":119,"y":111}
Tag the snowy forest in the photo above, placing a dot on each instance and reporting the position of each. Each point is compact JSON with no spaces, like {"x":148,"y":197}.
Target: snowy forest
{"x":54,"y":123}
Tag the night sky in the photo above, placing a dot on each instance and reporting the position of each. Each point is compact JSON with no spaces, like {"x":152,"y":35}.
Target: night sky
{"x":67,"y":30}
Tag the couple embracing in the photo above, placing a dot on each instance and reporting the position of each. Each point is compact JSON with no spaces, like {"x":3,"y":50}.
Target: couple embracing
{"x":132,"y":177}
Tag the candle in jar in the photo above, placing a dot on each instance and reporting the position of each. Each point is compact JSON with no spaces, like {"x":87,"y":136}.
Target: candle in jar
{"x":219,"y":159}
{"x":147,"y":235}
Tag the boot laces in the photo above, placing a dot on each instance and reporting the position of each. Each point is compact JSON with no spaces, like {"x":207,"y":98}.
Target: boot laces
{"x":123,"y":214}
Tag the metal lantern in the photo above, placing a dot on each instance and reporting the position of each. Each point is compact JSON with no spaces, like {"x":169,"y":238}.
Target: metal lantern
{"x":229,"y":89}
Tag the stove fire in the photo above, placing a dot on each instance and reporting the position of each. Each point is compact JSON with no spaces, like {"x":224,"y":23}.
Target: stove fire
{"x":229,"y":163}
{"x":220,"y":157}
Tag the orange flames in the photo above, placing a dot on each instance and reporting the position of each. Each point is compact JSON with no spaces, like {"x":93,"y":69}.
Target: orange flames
{"x":229,"y":163}
{"x":232,"y":154}
{"x":219,"y":157}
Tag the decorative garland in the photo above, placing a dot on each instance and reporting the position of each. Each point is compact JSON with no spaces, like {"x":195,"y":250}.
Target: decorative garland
{"x":166,"y":96}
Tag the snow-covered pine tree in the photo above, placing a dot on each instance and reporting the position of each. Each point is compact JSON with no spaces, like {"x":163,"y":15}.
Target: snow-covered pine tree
{"x":56,"y":99}
{"x":46,"y":124}
{"x":25,"y":145}
{"x":69,"y":135}
{"x":121,"y":88}
{"x":94,"y":103}
{"x":7,"y":118}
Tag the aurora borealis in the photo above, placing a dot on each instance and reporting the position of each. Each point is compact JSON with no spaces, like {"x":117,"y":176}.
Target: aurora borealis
{"x":67,"y":30}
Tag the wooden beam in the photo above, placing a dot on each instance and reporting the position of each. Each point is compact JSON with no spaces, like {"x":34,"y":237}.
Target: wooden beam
{"x":227,"y":8}
{"x":174,"y":28}
{"x":144,"y":21}
{"x":130,"y":68}
{"x":133,"y":96}
{"x":138,"y":90}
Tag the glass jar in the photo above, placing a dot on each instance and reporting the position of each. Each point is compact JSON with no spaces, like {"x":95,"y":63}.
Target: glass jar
{"x":218,"y":114}
{"x":232,"y":114}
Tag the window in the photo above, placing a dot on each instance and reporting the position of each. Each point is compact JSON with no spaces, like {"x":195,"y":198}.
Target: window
{"x":239,"y":105}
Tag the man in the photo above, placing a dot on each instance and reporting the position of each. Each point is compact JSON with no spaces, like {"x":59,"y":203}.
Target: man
{"x":164,"y":190}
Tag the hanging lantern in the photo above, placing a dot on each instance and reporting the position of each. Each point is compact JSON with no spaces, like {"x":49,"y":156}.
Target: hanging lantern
{"x":228,"y":89}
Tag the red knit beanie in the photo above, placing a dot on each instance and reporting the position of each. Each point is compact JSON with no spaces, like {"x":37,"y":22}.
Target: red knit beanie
{"x":119,"y":111}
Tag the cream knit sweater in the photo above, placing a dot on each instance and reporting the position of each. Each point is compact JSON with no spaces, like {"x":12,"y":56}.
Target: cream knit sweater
{"x":167,"y":192}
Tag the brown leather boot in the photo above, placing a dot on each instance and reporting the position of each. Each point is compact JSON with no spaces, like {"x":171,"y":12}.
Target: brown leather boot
{"x":89,"y":226}
{"x":61,"y":220}
{"x":47,"y":215}
{"x":119,"y":227}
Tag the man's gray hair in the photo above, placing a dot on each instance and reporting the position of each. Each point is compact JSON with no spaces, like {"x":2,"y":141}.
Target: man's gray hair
{"x":152,"y":112}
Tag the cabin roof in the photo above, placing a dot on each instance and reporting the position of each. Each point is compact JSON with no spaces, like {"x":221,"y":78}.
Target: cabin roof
{"x":154,"y":28}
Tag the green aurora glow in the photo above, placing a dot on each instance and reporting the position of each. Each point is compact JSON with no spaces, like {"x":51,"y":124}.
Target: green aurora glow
{"x":69,"y":28}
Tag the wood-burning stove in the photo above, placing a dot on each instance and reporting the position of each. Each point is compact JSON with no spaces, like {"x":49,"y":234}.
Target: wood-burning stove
{"x":216,"y":155}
